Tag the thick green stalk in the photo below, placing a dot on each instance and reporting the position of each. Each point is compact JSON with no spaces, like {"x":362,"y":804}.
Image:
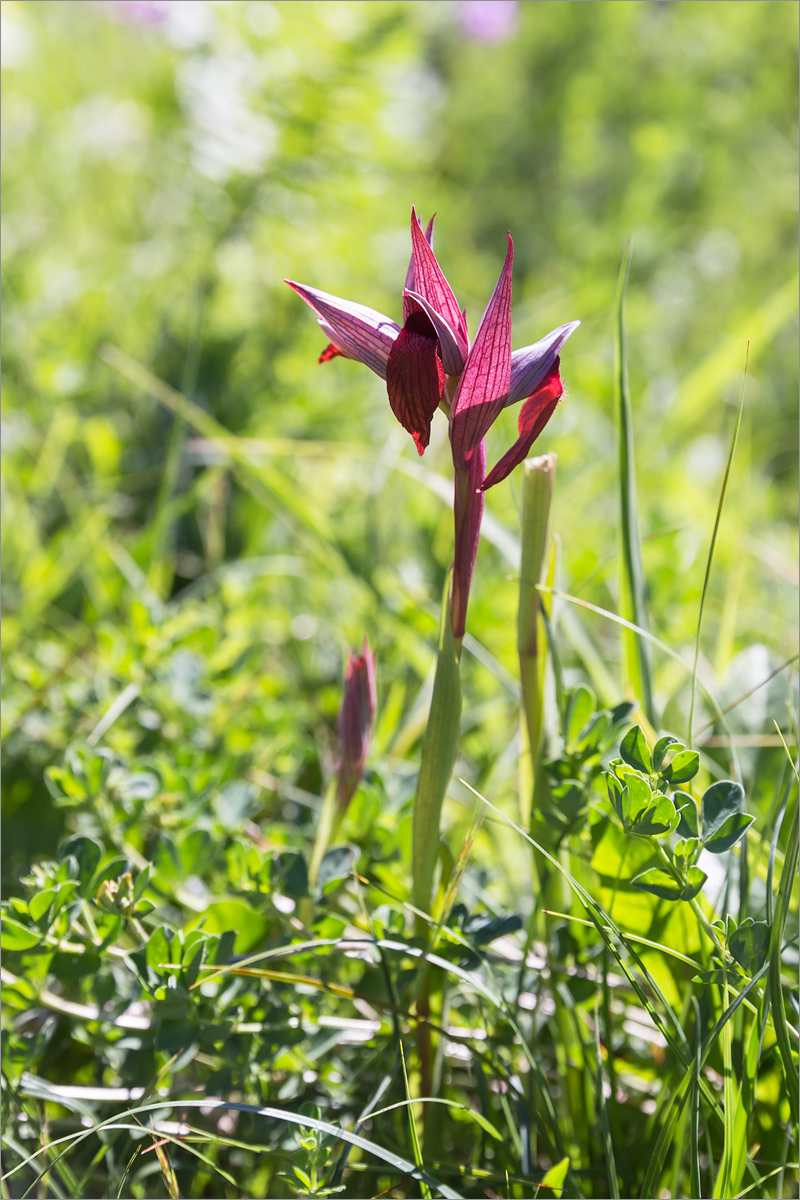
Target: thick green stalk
{"x":439,"y":748}
{"x":330,"y":818}
{"x":538,"y":479}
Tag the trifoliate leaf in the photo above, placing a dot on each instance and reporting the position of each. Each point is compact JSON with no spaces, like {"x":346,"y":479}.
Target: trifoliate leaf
{"x":635,"y":751}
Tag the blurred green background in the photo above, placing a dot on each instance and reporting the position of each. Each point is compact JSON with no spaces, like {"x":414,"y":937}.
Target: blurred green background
{"x":166,"y":166}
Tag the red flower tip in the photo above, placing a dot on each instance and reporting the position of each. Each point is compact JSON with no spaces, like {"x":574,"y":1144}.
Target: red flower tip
{"x":330,"y":352}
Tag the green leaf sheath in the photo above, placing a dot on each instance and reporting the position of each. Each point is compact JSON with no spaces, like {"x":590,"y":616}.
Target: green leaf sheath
{"x":785,"y":888}
{"x":538,"y":478}
{"x":439,"y":748}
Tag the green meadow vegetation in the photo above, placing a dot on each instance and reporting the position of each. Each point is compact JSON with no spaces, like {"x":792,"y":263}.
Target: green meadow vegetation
{"x":518,"y":915}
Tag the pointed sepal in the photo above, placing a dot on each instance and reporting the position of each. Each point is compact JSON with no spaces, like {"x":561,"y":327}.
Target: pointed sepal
{"x":356,"y":331}
{"x":484,"y":384}
{"x":530,"y":364}
{"x":429,"y":278}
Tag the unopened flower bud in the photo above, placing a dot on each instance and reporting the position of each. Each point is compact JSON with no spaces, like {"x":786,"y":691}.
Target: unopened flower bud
{"x":356,"y":717}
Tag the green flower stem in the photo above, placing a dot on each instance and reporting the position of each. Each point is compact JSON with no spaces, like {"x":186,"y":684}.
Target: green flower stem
{"x":330,"y":820}
{"x":439,"y":749}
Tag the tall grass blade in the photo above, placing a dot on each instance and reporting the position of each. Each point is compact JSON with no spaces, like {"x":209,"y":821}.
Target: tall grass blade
{"x":782,"y":904}
{"x":709,"y":561}
{"x":722,"y":1186}
{"x":611,"y":1164}
{"x":158,"y":534}
{"x":269,"y":486}
{"x":415,"y":1146}
{"x":696,"y":1186}
{"x":274,"y":1114}
{"x":635,"y":651}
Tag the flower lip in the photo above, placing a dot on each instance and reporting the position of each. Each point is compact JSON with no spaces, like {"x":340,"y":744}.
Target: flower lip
{"x":454,"y":351}
{"x":415,"y":377}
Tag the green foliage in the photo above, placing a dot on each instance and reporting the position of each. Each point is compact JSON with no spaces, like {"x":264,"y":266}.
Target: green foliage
{"x":181,"y":577}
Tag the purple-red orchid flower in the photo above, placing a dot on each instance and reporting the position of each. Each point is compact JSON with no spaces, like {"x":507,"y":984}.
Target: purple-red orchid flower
{"x":356,"y":717}
{"x":430,"y":362}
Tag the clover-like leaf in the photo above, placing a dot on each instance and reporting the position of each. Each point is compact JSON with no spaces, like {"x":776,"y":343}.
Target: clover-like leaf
{"x":615,"y":792}
{"x":719,"y":975}
{"x":661,"y":747}
{"x":661,"y":883}
{"x":636,"y":798}
{"x":596,"y":733}
{"x":720,"y":801}
{"x":683,"y":767}
{"x":729,"y":833}
{"x":749,"y":945}
{"x":635,"y":751}
{"x":689,"y":824}
{"x":581,"y":705}
{"x":658,"y":818}
{"x":687,"y":849}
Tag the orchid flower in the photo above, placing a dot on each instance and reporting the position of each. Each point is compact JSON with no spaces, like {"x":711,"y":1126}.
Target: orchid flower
{"x":429,"y":362}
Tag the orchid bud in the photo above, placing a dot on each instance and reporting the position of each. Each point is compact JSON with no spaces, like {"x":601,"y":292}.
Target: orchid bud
{"x":356,"y":717}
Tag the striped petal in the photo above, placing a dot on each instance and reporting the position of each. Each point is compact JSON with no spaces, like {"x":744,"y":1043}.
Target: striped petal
{"x":530,"y":365}
{"x":429,"y":278}
{"x":485,"y":382}
{"x":411,"y":274}
{"x":357,"y":331}
{"x":468,"y":514}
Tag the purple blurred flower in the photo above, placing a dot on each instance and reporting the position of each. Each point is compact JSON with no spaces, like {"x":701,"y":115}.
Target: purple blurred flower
{"x":138,"y":12}
{"x":355,"y":722}
{"x":489,"y":20}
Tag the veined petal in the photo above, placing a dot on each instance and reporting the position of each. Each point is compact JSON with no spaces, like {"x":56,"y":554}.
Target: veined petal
{"x":484,"y":384}
{"x":358,"y":331}
{"x":331,"y":350}
{"x":468,"y":513}
{"x":530,"y":365}
{"x":429,"y":278}
{"x":415,"y":378}
{"x":410,"y":273}
{"x":454,"y":353}
{"x":533,"y":416}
